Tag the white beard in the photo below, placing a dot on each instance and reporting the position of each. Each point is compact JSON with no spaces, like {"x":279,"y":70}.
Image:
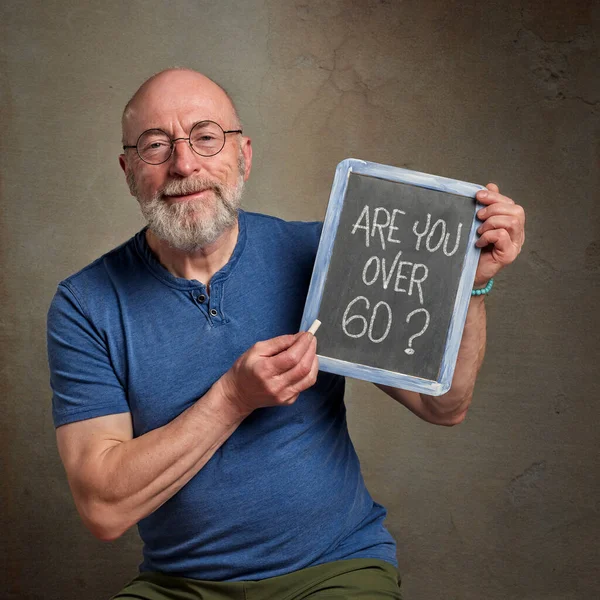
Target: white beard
{"x":189,"y":226}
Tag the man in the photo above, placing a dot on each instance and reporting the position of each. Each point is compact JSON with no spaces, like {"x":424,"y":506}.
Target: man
{"x":185,"y":401}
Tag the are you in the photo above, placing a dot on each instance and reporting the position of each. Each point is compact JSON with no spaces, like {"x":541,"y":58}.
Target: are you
{"x":381,"y":225}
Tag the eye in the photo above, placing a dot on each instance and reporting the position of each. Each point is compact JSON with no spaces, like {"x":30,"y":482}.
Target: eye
{"x":156,"y":145}
{"x":206,"y":133}
{"x":204,"y":137}
{"x":153,"y":140}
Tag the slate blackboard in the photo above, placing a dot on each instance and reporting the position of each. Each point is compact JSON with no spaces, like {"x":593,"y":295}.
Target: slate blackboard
{"x":393,"y":275}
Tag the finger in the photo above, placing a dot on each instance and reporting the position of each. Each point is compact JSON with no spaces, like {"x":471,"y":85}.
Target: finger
{"x":497,"y":214}
{"x":305,"y":382}
{"x":492,"y":187}
{"x":311,"y":378}
{"x":492,"y":196}
{"x":302,"y":369}
{"x":514,"y":218}
{"x":285,"y":385}
{"x":291,"y":356}
{"x":504,"y":250}
{"x":275,"y":345}
{"x":510,"y":223}
{"x":502,"y":208}
{"x":290,"y":400}
{"x":299,"y":370}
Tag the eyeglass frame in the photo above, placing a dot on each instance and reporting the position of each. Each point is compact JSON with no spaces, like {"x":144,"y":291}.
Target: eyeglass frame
{"x":187,"y":139}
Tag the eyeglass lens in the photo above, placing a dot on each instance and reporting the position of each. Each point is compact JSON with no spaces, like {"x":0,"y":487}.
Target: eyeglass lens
{"x":206,"y":139}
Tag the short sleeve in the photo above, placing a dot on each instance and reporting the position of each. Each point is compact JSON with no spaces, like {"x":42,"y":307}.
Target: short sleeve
{"x":82,"y":377}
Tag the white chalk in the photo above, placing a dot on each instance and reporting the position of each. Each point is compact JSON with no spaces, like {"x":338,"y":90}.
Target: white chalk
{"x":313,"y":328}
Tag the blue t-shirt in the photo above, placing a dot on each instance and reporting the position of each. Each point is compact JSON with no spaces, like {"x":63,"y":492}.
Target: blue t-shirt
{"x":285,"y":491}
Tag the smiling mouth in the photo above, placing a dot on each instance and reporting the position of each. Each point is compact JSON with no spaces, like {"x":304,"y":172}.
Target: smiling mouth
{"x":187,"y":197}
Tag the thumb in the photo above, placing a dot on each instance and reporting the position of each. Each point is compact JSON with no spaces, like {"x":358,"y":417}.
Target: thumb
{"x":276,"y":345}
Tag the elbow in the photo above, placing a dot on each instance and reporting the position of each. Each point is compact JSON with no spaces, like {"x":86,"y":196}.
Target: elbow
{"x":104,"y":535}
{"x":453,"y":420}
{"x":448,"y":414}
{"x":445,"y":419}
{"x":456,"y":415}
{"x":103,"y":521}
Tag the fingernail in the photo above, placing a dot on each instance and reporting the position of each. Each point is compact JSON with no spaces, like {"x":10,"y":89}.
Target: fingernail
{"x":482,"y":194}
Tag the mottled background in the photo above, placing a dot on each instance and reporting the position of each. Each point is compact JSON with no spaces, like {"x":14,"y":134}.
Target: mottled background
{"x":504,"y":506}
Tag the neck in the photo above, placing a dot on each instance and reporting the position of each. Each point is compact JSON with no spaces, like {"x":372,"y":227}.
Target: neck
{"x":201,"y":264}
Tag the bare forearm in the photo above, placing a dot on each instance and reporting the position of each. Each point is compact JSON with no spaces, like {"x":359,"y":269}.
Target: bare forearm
{"x":132,"y":478}
{"x":450,"y":408}
{"x":453,"y":405}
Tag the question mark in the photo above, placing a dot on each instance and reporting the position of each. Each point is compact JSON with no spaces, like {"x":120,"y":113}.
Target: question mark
{"x":410,"y":350}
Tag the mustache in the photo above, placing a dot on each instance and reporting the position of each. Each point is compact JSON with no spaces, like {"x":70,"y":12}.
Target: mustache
{"x":190,"y":185}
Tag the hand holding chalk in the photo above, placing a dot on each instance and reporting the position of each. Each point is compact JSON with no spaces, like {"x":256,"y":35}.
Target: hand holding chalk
{"x":271,"y":373}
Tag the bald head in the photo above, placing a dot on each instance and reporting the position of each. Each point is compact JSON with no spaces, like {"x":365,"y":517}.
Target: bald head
{"x":176,"y":93}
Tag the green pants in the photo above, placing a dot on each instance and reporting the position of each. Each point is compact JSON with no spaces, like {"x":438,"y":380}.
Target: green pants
{"x":360,"y":578}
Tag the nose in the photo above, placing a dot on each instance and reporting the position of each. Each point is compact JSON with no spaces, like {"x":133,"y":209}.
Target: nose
{"x":184,"y":161}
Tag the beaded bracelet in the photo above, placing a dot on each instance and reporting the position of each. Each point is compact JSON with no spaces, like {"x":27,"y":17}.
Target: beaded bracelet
{"x":483,"y":291}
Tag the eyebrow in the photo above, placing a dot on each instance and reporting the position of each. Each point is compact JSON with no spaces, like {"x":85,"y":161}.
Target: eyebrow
{"x":169,"y":133}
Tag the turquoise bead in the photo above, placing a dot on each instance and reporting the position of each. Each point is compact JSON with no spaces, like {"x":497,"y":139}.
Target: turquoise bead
{"x":485,"y":290}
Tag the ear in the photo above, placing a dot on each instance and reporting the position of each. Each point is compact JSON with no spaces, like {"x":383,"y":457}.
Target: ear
{"x":125,"y":166}
{"x":247,"y":152}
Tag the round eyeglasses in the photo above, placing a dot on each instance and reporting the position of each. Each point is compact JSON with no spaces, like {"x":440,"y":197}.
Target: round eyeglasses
{"x":155,"y":147}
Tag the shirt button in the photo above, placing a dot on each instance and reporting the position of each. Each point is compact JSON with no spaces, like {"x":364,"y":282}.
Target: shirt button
{"x":201,"y":298}
{"x":213,"y":312}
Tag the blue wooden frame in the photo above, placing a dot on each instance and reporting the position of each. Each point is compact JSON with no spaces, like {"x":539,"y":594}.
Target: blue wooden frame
{"x":317,"y":283}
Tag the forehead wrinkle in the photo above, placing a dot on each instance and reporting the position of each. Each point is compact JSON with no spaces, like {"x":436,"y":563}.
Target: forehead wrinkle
{"x":177,"y":120}
{"x":181,"y":97}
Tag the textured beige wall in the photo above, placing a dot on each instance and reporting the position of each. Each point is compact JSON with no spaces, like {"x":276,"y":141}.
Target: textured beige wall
{"x":504,"y":506}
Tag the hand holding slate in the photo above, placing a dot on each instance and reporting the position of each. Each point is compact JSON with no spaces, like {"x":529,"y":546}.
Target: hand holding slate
{"x":398,"y":257}
{"x":502,"y":233}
